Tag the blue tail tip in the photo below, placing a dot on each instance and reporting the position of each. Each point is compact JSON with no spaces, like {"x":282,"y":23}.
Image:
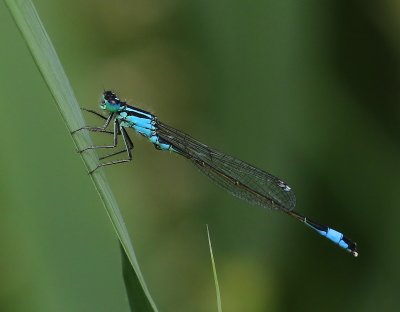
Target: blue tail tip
{"x":351,"y":246}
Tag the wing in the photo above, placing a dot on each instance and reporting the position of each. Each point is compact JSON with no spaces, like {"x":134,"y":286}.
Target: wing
{"x":237,"y":177}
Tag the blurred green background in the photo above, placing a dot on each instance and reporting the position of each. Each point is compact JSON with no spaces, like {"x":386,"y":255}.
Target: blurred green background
{"x":308,"y":91}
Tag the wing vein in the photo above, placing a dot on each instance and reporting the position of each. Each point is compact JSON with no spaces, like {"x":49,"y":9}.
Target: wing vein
{"x":235,"y":176}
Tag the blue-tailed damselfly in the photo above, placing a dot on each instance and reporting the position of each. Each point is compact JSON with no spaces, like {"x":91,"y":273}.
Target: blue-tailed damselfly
{"x":237,"y":177}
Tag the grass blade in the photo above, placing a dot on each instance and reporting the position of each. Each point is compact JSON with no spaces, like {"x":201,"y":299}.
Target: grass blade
{"x":132,"y":285}
{"x":45,"y":56}
{"x":218,"y":294}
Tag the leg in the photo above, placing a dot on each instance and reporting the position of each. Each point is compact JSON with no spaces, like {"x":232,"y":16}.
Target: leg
{"x":94,"y":112}
{"x":115,"y":142}
{"x":128,"y":144}
{"x":128,"y":148}
{"x":97,"y":129}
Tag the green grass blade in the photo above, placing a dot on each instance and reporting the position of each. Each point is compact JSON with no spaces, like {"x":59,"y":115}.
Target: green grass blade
{"x":43,"y":52}
{"x":218,"y":294}
{"x":133,"y":286}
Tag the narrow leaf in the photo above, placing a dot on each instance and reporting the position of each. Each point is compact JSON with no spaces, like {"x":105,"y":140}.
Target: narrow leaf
{"x":218,"y":294}
{"x":45,"y":56}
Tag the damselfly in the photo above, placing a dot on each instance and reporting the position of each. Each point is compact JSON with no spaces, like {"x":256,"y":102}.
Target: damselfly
{"x":237,"y":177}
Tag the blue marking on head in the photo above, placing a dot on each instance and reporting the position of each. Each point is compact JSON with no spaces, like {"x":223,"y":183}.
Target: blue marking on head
{"x":110,"y":102}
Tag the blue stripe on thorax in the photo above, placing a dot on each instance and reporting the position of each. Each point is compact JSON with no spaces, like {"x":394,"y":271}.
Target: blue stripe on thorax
{"x":134,"y":110}
{"x":143,"y":123}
